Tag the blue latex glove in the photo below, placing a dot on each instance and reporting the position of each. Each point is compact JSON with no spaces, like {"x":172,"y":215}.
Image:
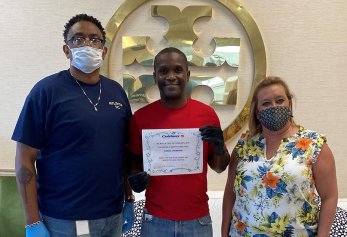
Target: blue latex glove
{"x":128,"y":216}
{"x":38,"y":230}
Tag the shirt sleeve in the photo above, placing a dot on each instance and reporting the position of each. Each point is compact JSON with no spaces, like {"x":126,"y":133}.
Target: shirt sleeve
{"x":129,"y":116}
{"x":239,"y":148}
{"x":30,"y":127}
{"x":317,"y":147}
{"x":135,"y":139}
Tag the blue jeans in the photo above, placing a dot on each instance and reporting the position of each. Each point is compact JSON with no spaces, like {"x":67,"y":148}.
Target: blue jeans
{"x":104,"y":227}
{"x":154,"y":226}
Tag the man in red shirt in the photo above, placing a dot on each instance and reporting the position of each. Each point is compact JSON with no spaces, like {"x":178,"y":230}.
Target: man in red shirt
{"x":176,"y":205}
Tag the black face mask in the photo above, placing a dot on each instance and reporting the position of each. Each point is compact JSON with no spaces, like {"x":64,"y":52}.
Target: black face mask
{"x":275,"y":118}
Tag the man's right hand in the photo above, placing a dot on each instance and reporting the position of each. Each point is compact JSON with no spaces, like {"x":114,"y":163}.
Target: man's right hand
{"x":37,"y":230}
{"x":138,"y":181}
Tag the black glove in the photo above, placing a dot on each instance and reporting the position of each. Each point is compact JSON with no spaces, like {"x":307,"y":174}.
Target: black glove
{"x":138,"y":181}
{"x":214,"y":135}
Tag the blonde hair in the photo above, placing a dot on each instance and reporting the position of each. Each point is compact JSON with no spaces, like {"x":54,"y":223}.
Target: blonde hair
{"x":254,"y":124}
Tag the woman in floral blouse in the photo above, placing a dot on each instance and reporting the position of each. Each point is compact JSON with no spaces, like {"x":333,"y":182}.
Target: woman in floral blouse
{"x":274,"y":172}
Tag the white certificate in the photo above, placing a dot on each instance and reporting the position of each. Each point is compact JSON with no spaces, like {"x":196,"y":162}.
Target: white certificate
{"x":172,"y":151}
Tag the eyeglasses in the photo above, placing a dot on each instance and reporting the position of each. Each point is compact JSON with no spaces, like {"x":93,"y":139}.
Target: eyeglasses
{"x":80,"y":41}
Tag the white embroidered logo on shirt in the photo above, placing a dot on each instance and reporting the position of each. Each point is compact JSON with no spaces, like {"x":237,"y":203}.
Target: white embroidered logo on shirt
{"x":117,"y":105}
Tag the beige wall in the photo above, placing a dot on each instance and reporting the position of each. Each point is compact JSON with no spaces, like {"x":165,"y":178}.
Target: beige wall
{"x":306,"y":44}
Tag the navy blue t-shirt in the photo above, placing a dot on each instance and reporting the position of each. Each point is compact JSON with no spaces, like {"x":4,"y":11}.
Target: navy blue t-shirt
{"x":80,"y":167}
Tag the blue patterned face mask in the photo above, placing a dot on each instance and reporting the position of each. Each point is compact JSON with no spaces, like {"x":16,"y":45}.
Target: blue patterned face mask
{"x":275,"y":118}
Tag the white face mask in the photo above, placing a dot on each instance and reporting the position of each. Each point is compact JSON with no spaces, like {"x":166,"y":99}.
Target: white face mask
{"x":87,"y":59}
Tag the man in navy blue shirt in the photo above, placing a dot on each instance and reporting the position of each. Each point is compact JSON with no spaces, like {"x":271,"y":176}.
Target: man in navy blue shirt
{"x":73,"y":127}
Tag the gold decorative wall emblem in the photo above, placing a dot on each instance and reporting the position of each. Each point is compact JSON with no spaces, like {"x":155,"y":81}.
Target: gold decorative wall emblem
{"x":181,"y":34}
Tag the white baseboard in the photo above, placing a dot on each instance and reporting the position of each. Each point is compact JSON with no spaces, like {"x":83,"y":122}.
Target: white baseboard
{"x":342,"y":203}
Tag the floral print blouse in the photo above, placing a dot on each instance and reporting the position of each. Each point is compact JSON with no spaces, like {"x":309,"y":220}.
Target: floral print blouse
{"x":275,"y":197}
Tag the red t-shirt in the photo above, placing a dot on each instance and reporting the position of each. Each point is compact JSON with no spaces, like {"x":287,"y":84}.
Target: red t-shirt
{"x":175,"y":197}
